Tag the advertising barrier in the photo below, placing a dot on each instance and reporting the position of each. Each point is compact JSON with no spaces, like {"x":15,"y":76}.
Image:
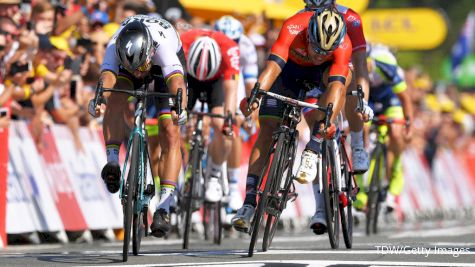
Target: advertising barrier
{"x":59,"y":188}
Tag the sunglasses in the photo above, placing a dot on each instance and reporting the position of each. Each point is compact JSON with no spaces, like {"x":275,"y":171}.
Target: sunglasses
{"x":319,"y":51}
{"x":145,"y":67}
{"x":2,"y":32}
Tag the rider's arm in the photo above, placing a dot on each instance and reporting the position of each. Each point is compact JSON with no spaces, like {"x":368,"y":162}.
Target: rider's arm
{"x":176,"y":81}
{"x":231,"y":66}
{"x":338,"y":73}
{"x":354,"y":29}
{"x":108,"y":79}
{"x":269,"y":75}
{"x":361,"y":71}
{"x":400,"y":89}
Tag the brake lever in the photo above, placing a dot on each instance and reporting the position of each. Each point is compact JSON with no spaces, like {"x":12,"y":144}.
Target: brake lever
{"x":178,"y":99}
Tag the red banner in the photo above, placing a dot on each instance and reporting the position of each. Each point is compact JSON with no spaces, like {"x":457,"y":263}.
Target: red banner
{"x":3,"y":184}
{"x":61,"y":186}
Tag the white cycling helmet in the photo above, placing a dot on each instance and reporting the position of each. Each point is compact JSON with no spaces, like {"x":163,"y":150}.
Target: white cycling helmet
{"x":229,"y":26}
{"x":204,"y":58}
{"x":318,"y":3}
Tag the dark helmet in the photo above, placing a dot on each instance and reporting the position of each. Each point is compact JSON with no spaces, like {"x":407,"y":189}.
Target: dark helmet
{"x":134,"y":45}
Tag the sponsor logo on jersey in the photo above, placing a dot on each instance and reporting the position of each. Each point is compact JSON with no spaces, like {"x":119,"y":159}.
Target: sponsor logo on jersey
{"x":294,"y":29}
{"x":233,"y":54}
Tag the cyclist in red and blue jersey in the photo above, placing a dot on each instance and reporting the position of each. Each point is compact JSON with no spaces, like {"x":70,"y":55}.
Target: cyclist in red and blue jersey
{"x":312,"y":46}
{"x":354,"y":29}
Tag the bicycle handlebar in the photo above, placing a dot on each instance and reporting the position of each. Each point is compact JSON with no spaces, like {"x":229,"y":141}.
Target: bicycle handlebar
{"x":360,"y":94}
{"x":140,"y":93}
{"x":256,"y":91}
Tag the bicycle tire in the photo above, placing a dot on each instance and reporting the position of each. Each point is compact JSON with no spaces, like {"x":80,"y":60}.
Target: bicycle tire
{"x":138,"y":232}
{"x":381,"y":190}
{"x":212,"y":221}
{"x":373,"y":191}
{"x":129,"y":192}
{"x":330,"y":193}
{"x":257,"y":219}
{"x":195,"y":176}
{"x":346,"y":214}
{"x":282,"y":151}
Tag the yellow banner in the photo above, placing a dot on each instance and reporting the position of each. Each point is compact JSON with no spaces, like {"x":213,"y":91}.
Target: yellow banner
{"x":406,"y":29}
{"x":357,"y":5}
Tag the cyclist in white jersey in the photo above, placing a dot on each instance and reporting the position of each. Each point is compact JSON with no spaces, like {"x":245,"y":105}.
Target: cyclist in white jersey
{"x":143,"y":46}
{"x":249,"y":72}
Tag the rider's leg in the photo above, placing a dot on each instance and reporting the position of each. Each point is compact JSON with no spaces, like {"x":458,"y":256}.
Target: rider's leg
{"x":360,"y":161}
{"x":307,"y":171}
{"x":308,"y":168}
{"x":234,"y":163}
{"x":114,"y":130}
{"x":168,"y":170}
{"x":396,"y":147}
{"x":218,"y":150}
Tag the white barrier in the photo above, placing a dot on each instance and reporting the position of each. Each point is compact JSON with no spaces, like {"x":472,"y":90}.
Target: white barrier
{"x":60,"y":189}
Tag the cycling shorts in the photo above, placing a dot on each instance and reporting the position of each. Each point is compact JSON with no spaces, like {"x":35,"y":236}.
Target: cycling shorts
{"x":286,"y":85}
{"x":213,"y":89}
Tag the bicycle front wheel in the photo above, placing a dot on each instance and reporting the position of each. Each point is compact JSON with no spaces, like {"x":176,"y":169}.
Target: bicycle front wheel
{"x":262,"y":201}
{"x":129,"y":194}
{"x":346,"y":199}
{"x":138,"y":231}
{"x":278,"y":195}
{"x":331,"y":194}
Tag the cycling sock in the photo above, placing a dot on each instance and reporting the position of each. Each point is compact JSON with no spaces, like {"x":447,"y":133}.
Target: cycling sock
{"x":397,"y":177}
{"x":112,"y":151}
{"x":156,"y":180}
{"x":316,"y":139}
{"x":319,"y":199}
{"x":166,"y":195}
{"x":233,"y":175}
{"x":215,"y":169}
{"x":356,"y":139}
{"x":251,"y":190}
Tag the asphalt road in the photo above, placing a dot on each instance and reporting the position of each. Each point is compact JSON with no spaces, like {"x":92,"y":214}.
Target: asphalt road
{"x":447,"y":244}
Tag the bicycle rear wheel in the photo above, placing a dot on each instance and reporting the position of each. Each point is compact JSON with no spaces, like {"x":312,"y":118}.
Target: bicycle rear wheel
{"x":212,"y":221}
{"x":285,"y":150}
{"x":374,"y":191}
{"x":193,"y":182}
{"x":346,"y":199}
{"x":331,"y":194}
{"x":129,"y":194}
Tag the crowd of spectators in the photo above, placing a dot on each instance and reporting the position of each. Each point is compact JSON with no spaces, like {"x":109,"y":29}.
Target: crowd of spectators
{"x":51,"y":51}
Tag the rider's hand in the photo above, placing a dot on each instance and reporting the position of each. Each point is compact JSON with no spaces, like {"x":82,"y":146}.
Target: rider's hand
{"x":366,"y":114}
{"x":95,"y":111}
{"x":228,"y":127}
{"x":180,"y":119}
{"x":244,"y":104}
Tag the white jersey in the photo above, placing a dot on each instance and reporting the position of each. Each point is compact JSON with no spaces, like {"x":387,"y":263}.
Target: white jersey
{"x":248,"y":59}
{"x":248,"y":63}
{"x":166,"y":41}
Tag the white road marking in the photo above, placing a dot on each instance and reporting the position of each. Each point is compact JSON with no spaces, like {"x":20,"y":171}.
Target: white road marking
{"x":453,"y":231}
{"x":316,"y":263}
